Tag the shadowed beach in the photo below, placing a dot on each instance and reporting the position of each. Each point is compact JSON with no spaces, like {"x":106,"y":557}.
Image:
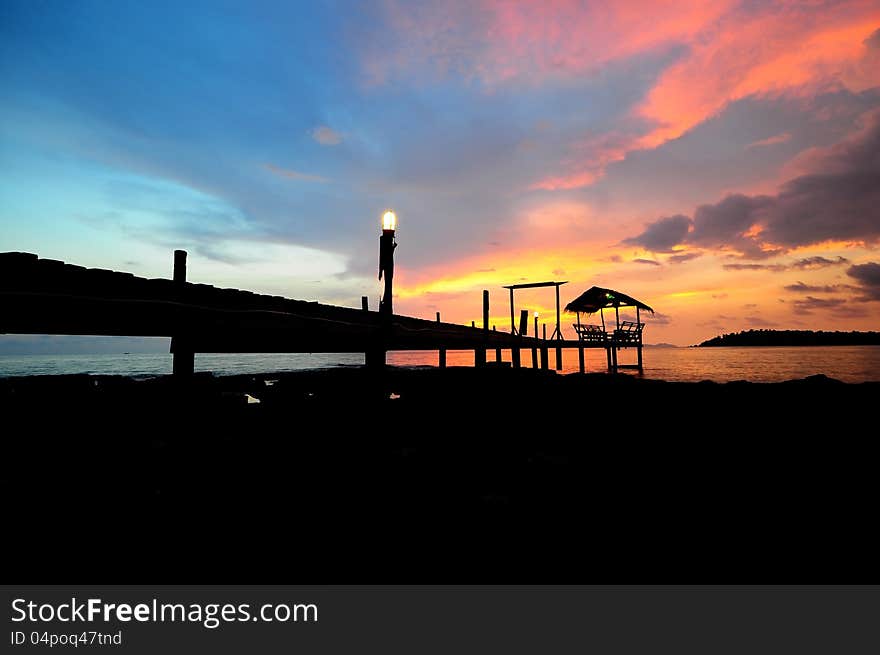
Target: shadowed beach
{"x":425,"y":475}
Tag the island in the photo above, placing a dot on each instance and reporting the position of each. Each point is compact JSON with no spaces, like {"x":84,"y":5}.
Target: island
{"x":794,"y":338}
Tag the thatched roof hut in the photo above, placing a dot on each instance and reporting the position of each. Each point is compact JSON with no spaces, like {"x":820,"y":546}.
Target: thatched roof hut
{"x":595,"y":299}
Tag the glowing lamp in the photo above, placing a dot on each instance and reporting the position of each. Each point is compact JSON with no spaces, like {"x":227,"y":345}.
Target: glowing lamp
{"x":389,"y":220}
{"x":536,"y":314}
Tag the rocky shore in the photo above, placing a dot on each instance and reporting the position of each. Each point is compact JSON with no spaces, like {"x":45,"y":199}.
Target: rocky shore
{"x":492,"y":475}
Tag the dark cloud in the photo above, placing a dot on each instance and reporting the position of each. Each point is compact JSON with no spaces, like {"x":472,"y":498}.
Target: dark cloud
{"x":684,"y":257}
{"x":750,"y":305}
{"x":800,"y":287}
{"x":839,"y":200}
{"x":807,"y":263}
{"x":776,"y":268}
{"x":724,"y":224}
{"x":818,"y":262}
{"x":662,"y":234}
{"x":650,"y":262}
{"x":658,"y":319}
{"x":808,"y":304}
{"x":868,"y":277}
{"x":757,"y":321}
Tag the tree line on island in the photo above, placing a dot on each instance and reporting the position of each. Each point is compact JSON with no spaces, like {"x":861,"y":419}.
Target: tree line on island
{"x":794,"y":338}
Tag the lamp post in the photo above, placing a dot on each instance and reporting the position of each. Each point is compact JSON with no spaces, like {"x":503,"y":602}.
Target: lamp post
{"x":386,"y":259}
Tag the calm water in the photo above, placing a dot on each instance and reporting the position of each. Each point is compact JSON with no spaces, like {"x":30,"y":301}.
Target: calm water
{"x":848,"y":363}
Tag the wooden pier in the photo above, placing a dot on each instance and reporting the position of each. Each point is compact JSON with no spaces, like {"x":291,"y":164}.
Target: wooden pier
{"x":45,"y":296}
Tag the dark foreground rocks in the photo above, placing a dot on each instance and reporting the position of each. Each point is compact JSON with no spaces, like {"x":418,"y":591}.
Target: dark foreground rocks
{"x":426,"y":476}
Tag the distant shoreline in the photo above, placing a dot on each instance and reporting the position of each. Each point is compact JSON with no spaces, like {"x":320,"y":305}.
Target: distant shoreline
{"x":792,"y":338}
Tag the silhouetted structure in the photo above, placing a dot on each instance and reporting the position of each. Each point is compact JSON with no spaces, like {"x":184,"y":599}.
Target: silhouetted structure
{"x":626,"y":333}
{"x":45,"y":296}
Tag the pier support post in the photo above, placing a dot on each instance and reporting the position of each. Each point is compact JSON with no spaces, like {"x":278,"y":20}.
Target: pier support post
{"x":581,"y":366}
{"x":515,"y":358}
{"x":442,"y":358}
{"x":545,"y":355}
{"x":374,"y":358}
{"x":558,"y":358}
{"x":184,"y":357}
{"x":365,"y":303}
{"x":479,"y":357}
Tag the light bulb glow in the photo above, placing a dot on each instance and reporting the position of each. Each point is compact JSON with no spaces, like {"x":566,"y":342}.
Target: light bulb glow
{"x":536,"y":314}
{"x":389,"y":220}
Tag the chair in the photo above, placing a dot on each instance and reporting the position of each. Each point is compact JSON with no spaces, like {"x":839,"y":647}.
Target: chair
{"x":592,"y":333}
{"x":629,"y":334}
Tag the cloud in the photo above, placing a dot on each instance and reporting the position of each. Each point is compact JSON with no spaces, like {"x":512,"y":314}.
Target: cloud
{"x":809,"y":263}
{"x":810,"y":303}
{"x":839,"y":201}
{"x":683,"y":257}
{"x":771,"y":140}
{"x":651,"y":262}
{"x":806,"y":263}
{"x":758,"y":321}
{"x":658,"y":319}
{"x":326,"y":136}
{"x":800,"y":287}
{"x":662,"y":234}
{"x":868,"y":277}
{"x":294,"y":175}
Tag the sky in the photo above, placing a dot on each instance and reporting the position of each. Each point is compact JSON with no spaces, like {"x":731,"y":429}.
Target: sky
{"x":719,"y":161}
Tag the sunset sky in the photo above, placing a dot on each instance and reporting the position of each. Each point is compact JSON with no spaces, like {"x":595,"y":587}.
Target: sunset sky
{"x":718,"y":160}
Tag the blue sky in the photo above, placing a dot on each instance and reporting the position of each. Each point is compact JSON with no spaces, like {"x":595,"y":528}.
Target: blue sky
{"x":516,"y":141}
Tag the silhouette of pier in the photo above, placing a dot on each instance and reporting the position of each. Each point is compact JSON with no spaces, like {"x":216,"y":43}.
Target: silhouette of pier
{"x":46,"y":296}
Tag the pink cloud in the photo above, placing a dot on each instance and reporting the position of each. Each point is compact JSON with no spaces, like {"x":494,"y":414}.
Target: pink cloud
{"x":731,"y":51}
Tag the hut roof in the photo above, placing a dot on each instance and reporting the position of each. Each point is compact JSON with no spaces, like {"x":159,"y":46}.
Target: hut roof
{"x":596,"y":298}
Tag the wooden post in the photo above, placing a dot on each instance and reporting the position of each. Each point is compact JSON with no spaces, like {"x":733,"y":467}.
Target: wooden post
{"x":558,"y":323}
{"x":497,"y":348}
{"x":442,"y":351}
{"x":544,"y":325}
{"x":486,"y":311}
{"x":374,"y":358}
{"x":545,"y":355}
{"x":639,"y":344}
{"x":581,"y":357}
{"x":479,"y":357}
{"x":515,"y":358}
{"x":180,"y":267}
{"x":512,"y":326}
{"x":365,"y":303}
{"x":523,"y":331}
{"x":184,"y":358}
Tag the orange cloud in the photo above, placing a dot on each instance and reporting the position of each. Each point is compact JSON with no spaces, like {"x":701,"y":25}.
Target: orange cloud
{"x":786,"y":50}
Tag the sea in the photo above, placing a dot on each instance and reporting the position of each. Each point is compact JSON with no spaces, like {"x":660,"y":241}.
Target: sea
{"x":846,"y":363}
